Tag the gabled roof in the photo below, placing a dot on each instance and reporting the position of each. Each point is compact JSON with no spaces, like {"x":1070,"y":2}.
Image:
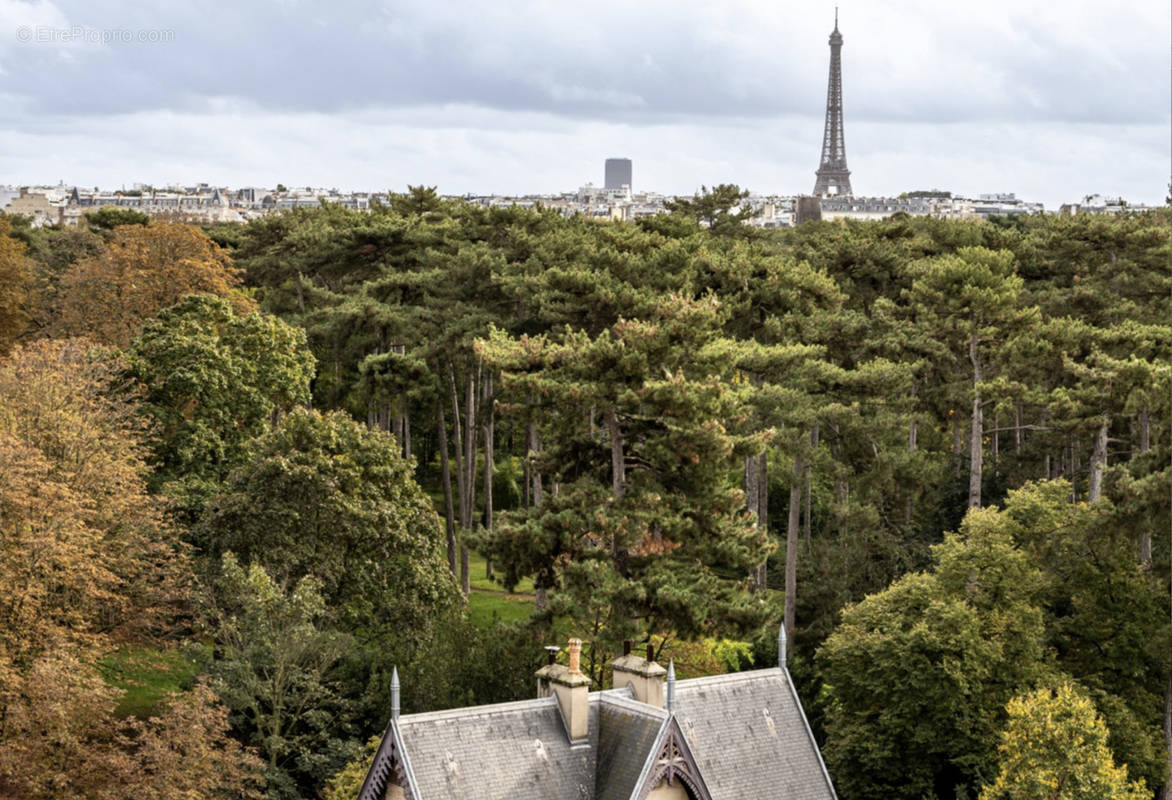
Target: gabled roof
{"x":750,"y":736}
{"x":507,"y":751}
{"x":671,"y":761}
{"x":390,"y":767}
{"x":627,"y":734}
{"x":728,"y":737}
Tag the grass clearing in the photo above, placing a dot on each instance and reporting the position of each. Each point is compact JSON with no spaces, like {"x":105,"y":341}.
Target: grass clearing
{"x":147,"y":676}
{"x":477,"y":579}
{"x":489,"y":602}
{"x":484,"y":608}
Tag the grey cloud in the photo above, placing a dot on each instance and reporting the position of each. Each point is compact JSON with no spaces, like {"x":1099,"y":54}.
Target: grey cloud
{"x":629,"y":63}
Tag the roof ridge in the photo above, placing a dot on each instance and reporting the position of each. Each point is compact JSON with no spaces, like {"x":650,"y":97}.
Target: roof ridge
{"x":630,"y":704}
{"x":476,"y":711}
{"x":731,"y":677}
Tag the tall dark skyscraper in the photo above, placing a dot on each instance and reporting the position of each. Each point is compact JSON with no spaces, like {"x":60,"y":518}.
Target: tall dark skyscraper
{"x":618,"y":173}
{"x":833,"y":178}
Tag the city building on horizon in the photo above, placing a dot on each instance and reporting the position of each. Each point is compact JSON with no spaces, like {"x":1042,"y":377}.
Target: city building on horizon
{"x":203,"y":203}
{"x":618,"y":173}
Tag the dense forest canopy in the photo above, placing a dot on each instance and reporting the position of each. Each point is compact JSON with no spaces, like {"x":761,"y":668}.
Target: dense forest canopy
{"x":249,"y":469}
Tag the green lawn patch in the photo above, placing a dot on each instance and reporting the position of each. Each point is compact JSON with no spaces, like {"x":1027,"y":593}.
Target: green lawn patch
{"x":476,"y":569}
{"x":485,"y":608}
{"x":147,"y":676}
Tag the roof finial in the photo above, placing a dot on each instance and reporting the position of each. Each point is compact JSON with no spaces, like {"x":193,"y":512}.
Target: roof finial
{"x":395,"y":693}
{"x":782,"y":640}
{"x":671,"y":685}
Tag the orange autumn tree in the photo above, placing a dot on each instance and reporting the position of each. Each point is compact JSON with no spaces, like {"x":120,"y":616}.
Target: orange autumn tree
{"x":59,"y":738}
{"x":141,"y":271}
{"x":73,"y":440}
{"x":18,"y":293}
{"x":88,"y":559}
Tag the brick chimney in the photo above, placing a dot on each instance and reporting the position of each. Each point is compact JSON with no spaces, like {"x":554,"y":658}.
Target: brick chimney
{"x":643,"y":675}
{"x":570,"y":687}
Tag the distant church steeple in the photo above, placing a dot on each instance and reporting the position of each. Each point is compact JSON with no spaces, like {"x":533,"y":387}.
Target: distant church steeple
{"x":833,"y":177}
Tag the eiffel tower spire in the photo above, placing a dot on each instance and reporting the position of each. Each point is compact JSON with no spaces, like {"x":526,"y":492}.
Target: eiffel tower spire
{"x":833,"y":178}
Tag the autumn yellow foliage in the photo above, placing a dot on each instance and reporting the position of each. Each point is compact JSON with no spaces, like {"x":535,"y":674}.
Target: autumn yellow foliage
{"x":142,"y":270}
{"x":1055,"y":748}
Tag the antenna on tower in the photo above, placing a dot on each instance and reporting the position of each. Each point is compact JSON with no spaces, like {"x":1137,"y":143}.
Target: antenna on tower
{"x":836,"y":17}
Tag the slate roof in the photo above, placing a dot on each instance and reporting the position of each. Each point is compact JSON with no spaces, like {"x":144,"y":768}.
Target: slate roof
{"x":627,"y":732}
{"x":750,"y":738}
{"x":746,"y":735}
{"x":507,"y":751}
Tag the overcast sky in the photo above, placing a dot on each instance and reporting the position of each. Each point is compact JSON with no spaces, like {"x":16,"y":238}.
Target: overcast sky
{"x":1051,"y":99}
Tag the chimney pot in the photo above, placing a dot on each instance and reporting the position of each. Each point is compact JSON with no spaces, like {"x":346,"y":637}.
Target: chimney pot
{"x":551,"y":653}
{"x":626,"y":647}
{"x":650,"y":651}
{"x":575,"y":656}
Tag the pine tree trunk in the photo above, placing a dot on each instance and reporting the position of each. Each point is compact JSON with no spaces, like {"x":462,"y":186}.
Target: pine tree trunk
{"x":763,"y":513}
{"x":461,"y":483}
{"x":618,"y":469}
{"x":407,"y":437}
{"x":976,"y":448}
{"x":446,"y":479}
{"x":809,"y":494}
{"x":752,"y":506}
{"x":533,"y":495}
{"x":751,"y":500}
{"x":1018,"y":421}
{"x":957,"y":436}
{"x":618,"y":466}
{"x":461,"y":490}
{"x":488,"y":410}
{"x":1145,"y":540}
{"x":791,"y":545}
{"x":533,"y":479}
{"x":300,"y":295}
{"x":1098,"y":464}
{"x":469,"y":506}
{"x":912,"y":426}
{"x":397,"y":423}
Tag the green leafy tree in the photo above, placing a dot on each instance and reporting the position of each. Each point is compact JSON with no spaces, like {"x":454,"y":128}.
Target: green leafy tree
{"x":278,"y":671}
{"x":106,"y":219}
{"x":321,"y":495}
{"x":1055,"y":748}
{"x":214,"y":380}
{"x":1106,"y":619}
{"x":919,"y":674}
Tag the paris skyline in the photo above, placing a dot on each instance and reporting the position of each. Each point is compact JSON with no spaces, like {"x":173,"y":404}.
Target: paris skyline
{"x":1051,"y":102}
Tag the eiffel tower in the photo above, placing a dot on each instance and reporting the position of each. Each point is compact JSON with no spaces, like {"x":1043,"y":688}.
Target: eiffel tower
{"x":833,"y":178}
